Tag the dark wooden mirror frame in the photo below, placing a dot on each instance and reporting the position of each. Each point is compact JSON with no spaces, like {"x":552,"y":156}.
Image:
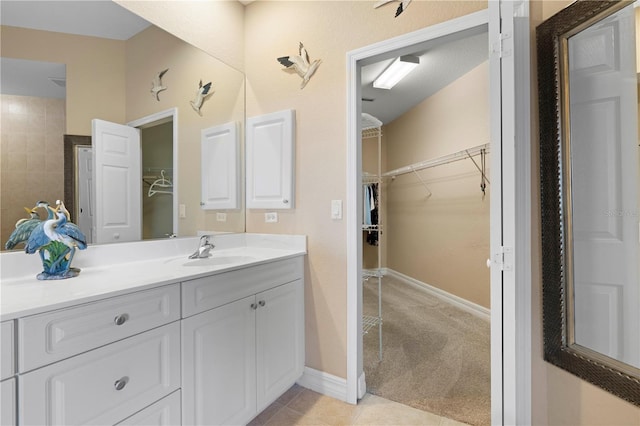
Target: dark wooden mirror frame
{"x":595,"y":368}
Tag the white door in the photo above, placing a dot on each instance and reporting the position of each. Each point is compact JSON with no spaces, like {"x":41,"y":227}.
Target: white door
{"x":118,"y":175}
{"x":219,"y":365}
{"x":85,"y":192}
{"x":604,"y":182}
{"x":279,"y":340}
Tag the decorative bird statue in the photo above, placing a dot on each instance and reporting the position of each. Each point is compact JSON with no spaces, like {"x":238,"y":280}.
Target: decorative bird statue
{"x":38,"y":239}
{"x":157,"y":86}
{"x":24,"y":227}
{"x":201,"y":95}
{"x":57,"y":239}
{"x":300,"y":63}
{"x":401,"y":8}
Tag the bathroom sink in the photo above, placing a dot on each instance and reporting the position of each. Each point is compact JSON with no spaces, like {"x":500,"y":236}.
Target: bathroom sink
{"x":219,"y":260}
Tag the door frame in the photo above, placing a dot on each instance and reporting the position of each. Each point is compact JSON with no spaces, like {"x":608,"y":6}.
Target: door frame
{"x":150,"y":119}
{"x":510,"y":214}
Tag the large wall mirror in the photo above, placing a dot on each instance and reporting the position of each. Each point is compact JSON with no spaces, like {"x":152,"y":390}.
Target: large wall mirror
{"x":109,"y":78}
{"x":590,"y":189}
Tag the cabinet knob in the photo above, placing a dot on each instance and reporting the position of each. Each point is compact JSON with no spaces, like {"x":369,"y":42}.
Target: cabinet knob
{"x":262,"y":303}
{"x":285,"y":201}
{"x":121,"y":319}
{"x":120,"y":384}
{"x":254,"y":306}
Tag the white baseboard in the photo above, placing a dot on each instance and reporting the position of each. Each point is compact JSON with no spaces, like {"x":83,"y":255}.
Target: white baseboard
{"x":324,"y":383}
{"x":475,"y":309}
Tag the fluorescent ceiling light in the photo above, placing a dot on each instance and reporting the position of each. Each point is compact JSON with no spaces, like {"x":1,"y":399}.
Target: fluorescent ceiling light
{"x":396,"y":71}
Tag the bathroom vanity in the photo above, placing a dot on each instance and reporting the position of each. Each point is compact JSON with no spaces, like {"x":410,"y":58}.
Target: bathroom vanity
{"x":164,"y":340}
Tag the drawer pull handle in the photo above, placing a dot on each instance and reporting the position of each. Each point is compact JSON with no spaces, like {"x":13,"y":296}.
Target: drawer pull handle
{"x":121,"y":319}
{"x":262,"y":303}
{"x":254,"y":306}
{"x":120,"y":384}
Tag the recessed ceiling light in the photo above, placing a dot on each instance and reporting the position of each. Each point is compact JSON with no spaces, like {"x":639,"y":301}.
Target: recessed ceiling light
{"x":395,"y":72}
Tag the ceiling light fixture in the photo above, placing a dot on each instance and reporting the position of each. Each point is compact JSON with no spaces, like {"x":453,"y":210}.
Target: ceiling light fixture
{"x":396,"y":71}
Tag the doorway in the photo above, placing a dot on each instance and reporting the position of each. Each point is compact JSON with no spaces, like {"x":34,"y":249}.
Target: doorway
{"x":510,"y":245}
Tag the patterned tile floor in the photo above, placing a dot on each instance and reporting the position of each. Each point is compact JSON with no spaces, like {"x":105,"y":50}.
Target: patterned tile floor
{"x":301,"y":406}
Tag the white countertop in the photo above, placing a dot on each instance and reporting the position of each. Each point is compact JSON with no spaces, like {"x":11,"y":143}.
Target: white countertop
{"x":111,"y":270}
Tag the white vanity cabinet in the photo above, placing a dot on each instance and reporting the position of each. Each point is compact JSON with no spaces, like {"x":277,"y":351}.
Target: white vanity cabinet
{"x":242,"y":354}
{"x":99,"y":362}
{"x":7,"y":371}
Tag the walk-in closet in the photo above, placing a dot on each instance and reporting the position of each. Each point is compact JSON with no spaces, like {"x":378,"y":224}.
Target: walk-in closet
{"x":426,"y":186}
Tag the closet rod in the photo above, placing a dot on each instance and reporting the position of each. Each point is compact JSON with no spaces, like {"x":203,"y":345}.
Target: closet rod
{"x":445,"y":159}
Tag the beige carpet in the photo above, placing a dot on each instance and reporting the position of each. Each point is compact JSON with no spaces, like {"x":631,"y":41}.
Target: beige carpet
{"x":436,"y":357}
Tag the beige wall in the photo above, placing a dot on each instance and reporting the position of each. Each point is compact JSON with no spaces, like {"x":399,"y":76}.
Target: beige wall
{"x":187,"y":66}
{"x":328,"y":31}
{"x":442,"y":239}
{"x":31,"y":156}
{"x":110,"y":80}
{"x":95,"y":71}
{"x":560,"y":398}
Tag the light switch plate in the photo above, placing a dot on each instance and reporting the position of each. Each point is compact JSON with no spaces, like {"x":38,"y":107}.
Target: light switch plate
{"x":221,"y":217}
{"x":336,"y":209}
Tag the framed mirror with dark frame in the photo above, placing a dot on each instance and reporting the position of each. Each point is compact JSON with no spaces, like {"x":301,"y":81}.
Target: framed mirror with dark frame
{"x":589,"y":197}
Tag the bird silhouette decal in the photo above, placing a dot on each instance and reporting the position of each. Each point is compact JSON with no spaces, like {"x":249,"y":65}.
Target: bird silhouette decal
{"x":157,"y":86}
{"x":300,"y":63}
{"x":204,"y":91}
{"x":56,"y":239}
{"x":401,"y":8}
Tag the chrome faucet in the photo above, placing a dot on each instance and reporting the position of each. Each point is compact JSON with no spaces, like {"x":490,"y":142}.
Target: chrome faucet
{"x":204,"y":248}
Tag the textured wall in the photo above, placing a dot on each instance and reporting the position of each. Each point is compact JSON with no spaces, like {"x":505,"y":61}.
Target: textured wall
{"x":31,"y":156}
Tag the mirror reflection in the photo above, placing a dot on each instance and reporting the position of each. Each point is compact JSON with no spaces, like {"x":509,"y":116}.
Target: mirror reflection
{"x":111,"y":80}
{"x":602,"y":183}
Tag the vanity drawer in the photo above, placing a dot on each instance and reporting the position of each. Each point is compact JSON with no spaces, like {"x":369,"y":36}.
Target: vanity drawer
{"x":106,"y":385}
{"x":7,"y":354}
{"x":52,"y":336}
{"x":165,"y":412}
{"x":210,"y":292}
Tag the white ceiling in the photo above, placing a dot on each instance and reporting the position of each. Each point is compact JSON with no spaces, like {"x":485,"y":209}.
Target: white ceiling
{"x":98,"y":18}
{"x":442,"y":60}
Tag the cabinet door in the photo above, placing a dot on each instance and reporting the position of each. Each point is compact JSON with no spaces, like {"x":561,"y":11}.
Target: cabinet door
{"x":220,"y":167}
{"x":269,"y":163}
{"x":219,"y":369}
{"x":279,"y":340}
{"x":8,"y":402}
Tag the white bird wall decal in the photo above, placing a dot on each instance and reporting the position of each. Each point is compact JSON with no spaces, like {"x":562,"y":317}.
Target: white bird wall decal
{"x":201,"y":95}
{"x":157,"y":86}
{"x":401,"y":8}
{"x":300,"y":63}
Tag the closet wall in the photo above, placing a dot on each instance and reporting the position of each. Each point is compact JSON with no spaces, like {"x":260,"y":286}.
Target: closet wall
{"x":443,"y":239}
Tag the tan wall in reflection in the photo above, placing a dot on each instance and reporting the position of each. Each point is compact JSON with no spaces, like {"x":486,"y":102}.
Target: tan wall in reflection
{"x":31,"y":155}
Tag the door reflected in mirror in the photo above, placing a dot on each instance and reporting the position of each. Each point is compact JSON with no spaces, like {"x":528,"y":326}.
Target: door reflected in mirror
{"x":601,"y":181}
